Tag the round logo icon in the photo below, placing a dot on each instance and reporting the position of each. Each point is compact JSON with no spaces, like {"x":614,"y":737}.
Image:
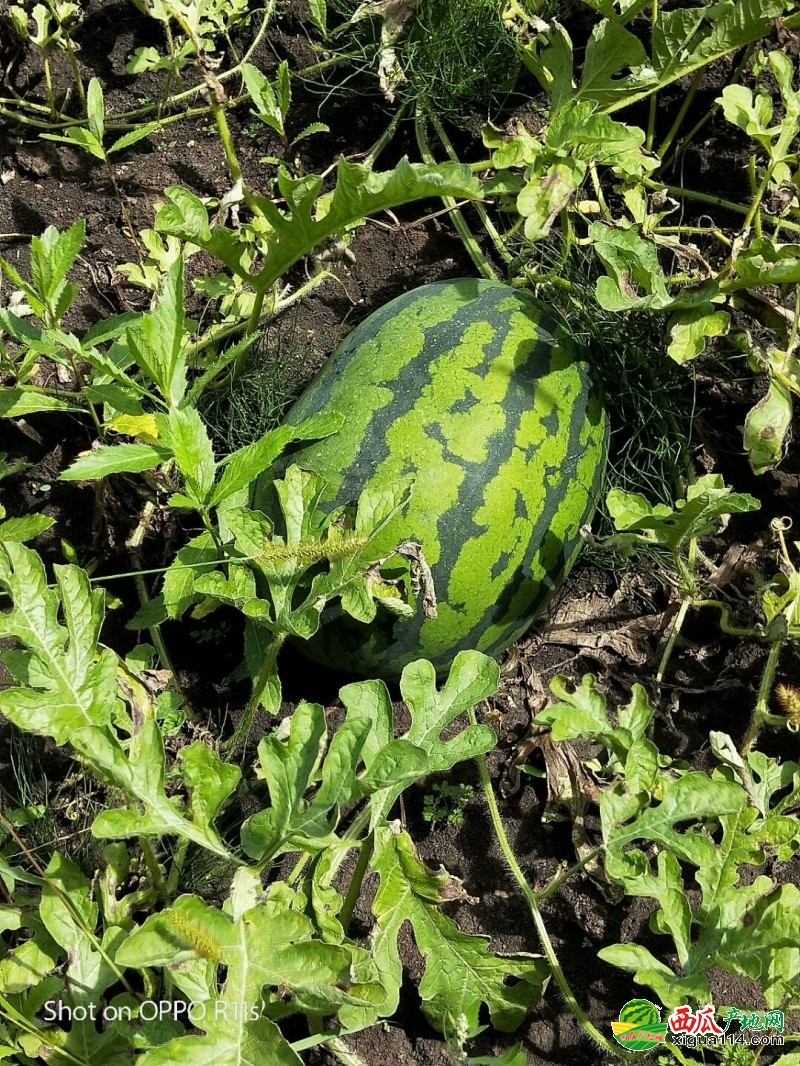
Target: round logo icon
{"x":639,"y":1027}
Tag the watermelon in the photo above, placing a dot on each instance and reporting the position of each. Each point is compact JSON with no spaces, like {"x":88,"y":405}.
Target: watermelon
{"x":479,"y":393}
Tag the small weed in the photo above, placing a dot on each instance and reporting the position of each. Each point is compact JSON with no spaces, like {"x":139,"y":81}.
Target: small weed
{"x":443,"y":55}
{"x":650,"y":401}
{"x":447,"y":803}
{"x":737,"y":1055}
{"x":249,"y":405}
{"x":458,"y":54}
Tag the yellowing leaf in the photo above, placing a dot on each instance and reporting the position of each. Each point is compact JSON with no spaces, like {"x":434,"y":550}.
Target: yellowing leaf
{"x":144,"y":427}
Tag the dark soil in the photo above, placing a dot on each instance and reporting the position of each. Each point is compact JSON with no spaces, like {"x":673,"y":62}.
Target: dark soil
{"x":711,"y":681}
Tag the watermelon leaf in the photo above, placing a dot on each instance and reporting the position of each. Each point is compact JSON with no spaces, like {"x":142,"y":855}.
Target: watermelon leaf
{"x":291,"y":766}
{"x":210,"y":783}
{"x":582,"y":713}
{"x":634,"y":278}
{"x":461,"y":973}
{"x":310,"y":220}
{"x":611,"y":50}
{"x":708,"y":501}
{"x":296,"y":758}
{"x":766,"y":426}
{"x":66,"y":688}
{"x":690,"y":328}
{"x":706,"y":827}
{"x":65,"y":680}
{"x":473,"y":677}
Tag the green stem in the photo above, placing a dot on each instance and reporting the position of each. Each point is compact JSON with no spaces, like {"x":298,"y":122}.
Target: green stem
{"x":19,"y":101}
{"x":224,"y":130}
{"x":752,"y":214}
{"x":25,"y":120}
{"x":354,"y":888}
{"x":70,"y":49}
{"x":717,"y":201}
{"x":686,"y":603}
{"x":73,"y":59}
{"x":465,"y":233}
{"x":651,"y":121}
{"x":216,"y":100}
{"x":297,"y":870}
{"x":483,"y":215}
{"x":44,"y":390}
{"x":216,"y":334}
{"x":700,"y":231}
{"x":533,"y":903}
{"x":794,"y":335}
{"x":562,"y":878}
{"x":351,"y":834}
{"x":170,"y":120}
{"x":187,"y":94}
{"x":177,"y":868}
{"x":315,"y":550}
{"x":761,"y":711}
{"x":252,"y":322}
{"x":156,"y":876}
{"x":385,"y":139}
{"x":548,"y":279}
{"x":724,"y":622}
{"x":690,"y":136}
{"x":48,"y":78}
{"x":78,"y":375}
{"x":126,"y":120}
{"x":759,"y":196}
{"x":598,"y":191}
{"x":173,"y":74}
{"x":134,"y":544}
{"x":154,"y":632}
{"x":123,"y":207}
{"x":343,"y":1053}
{"x":242,"y":731}
{"x":679,"y":119}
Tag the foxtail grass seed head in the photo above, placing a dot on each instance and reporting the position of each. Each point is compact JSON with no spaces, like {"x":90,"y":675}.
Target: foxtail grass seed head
{"x":789,"y":699}
{"x":193,"y":934}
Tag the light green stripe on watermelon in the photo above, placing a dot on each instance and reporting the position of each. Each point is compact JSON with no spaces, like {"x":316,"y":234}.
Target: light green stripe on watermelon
{"x":473,"y":389}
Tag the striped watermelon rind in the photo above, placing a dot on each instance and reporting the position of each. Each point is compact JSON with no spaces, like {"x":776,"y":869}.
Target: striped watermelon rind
{"x":479,"y":393}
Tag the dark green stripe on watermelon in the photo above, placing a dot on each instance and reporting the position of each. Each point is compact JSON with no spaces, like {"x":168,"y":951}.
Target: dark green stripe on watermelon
{"x":475,"y":390}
